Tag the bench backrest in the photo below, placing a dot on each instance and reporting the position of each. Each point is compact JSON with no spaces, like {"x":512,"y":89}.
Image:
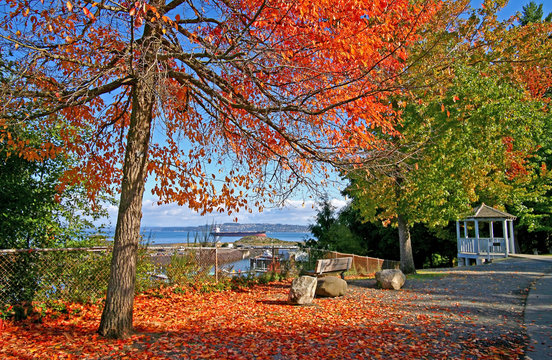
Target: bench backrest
{"x":331,"y":265}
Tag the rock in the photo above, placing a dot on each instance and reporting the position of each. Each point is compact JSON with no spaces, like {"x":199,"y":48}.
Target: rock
{"x":302,"y":290}
{"x":390,"y":279}
{"x":331,"y":286}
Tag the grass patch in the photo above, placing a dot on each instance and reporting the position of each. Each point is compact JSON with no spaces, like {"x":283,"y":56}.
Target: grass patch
{"x":423,"y":275}
{"x":359,"y":277}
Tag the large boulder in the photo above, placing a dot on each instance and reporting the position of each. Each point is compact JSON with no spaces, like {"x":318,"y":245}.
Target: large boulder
{"x":302,"y":290}
{"x":331,"y":286}
{"x":390,"y":279}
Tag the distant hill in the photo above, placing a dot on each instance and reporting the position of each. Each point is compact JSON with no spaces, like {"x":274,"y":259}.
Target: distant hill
{"x":260,"y":241}
{"x":235,"y":227}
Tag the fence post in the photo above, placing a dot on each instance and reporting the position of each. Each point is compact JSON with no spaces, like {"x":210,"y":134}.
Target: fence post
{"x":216,"y":265}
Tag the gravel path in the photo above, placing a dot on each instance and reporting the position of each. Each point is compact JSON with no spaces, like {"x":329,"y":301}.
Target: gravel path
{"x":480,"y":304}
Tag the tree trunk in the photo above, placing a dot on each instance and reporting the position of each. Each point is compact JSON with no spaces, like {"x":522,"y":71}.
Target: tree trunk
{"x":116,"y":321}
{"x":407,"y":260}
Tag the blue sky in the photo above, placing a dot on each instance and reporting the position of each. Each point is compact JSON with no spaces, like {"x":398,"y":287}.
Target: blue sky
{"x":514,"y":6}
{"x":300,"y":211}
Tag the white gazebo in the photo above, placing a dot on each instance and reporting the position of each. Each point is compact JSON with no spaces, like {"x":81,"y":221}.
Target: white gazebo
{"x":485,"y":243}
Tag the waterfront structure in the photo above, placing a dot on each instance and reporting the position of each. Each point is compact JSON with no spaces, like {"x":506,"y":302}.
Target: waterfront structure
{"x":218,"y":233}
{"x":479,"y":245}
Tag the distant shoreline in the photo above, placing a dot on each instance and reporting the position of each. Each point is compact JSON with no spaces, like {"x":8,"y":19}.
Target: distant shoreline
{"x":232,"y":227}
{"x":159,"y":235}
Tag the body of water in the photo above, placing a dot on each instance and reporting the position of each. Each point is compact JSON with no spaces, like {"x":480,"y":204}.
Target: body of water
{"x":156,"y":236}
{"x":159,"y":236}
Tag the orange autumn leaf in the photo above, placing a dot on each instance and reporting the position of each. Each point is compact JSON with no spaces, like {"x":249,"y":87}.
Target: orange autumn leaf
{"x":257,"y":322}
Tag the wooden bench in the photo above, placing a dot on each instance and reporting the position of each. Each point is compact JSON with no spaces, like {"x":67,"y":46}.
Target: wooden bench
{"x":325,"y":266}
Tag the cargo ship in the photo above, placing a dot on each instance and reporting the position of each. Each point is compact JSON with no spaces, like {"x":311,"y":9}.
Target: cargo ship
{"x":217,"y":232}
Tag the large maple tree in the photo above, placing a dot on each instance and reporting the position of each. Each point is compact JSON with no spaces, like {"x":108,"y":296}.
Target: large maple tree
{"x":218,"y":100}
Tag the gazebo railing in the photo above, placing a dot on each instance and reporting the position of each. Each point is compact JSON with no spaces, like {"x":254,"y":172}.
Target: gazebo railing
{"x":482,"y":246}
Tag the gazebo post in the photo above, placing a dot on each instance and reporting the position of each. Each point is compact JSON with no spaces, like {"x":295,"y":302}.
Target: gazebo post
{"x":459,"y":245}
{"x":466,"y":243}
{"x":458,"y":235}
{"x":477,"y":250}
{"x":491,"y":235}
{"x":511,"y":237}
{"x":490,"y":242}
{"x":506,"y":237}
{"x":491,"y":230}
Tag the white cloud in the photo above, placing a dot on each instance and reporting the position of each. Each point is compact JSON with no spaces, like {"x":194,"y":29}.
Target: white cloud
{"x":296,"y":212}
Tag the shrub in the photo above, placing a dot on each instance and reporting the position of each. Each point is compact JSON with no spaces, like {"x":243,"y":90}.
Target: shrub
{"x":182,"y":269}
{"x":6,"y":311}
{"x":243,"y":280}
{"x":269,"y":276}
{"x":145,"y":268}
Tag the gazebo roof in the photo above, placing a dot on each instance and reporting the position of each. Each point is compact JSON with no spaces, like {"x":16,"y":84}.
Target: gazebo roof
{"x":483,"y":212}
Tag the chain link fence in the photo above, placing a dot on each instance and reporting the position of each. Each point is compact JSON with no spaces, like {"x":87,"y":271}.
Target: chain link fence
{"x":81,"y":275}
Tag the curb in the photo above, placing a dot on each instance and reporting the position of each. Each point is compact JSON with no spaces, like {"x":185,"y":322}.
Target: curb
{"x":538,"y":319}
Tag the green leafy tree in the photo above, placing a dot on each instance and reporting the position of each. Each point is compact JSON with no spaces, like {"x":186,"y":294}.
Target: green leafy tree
{"x":469,"y":135}
{"x":33,"y":211}
{"x":347,"y":231}
{"x":532,"y":13}
{"x":534,"y":228}
{"x":534,"y":225}
{"x":35,"y":214}
{"x":333,"y":234}
{"x":472,"y":145}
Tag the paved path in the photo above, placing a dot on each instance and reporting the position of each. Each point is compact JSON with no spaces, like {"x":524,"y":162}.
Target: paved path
{"x":538,"y":314}
{"x":484,"y":305}
{"x":492,"y":302}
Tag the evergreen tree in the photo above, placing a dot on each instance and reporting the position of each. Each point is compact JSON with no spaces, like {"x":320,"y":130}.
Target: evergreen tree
{"x":532,"y":13}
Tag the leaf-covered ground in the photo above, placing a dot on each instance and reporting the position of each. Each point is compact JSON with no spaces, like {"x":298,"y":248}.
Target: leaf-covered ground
{"x":424,"y":320}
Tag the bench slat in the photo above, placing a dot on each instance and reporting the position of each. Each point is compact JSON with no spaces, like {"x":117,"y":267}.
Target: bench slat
{"x":333,"y":265}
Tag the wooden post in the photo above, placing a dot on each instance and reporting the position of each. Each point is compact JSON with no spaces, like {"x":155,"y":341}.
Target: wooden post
{"x":512,"y":242}
{"x":490,"y":242}
{"x":476,"y":237}
{"x":466,"y":243}
{"x":216,"y":265}
{"x":491,"y":235}
{"x":506,"y":237}
{"x":458,"y":236}
{"x":272,"y":263}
